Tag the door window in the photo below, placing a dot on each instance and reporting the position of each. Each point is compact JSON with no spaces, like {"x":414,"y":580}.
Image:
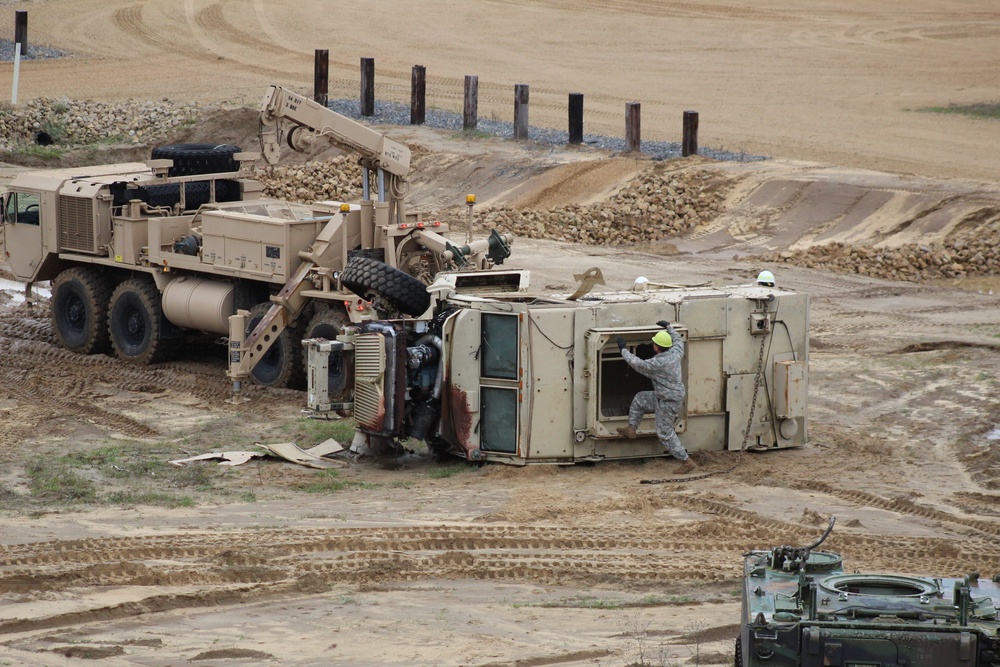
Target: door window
{"x":22,"y":208}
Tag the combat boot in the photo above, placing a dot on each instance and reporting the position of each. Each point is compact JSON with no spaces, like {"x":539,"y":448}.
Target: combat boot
{"x":686,"y":467}
{"x":627,"y":431}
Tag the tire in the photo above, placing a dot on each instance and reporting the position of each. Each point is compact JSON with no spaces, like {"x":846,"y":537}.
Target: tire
{"x":327,"y":324}
{"x":194,"y":159}
{"x":281,"y":366}
{"x":364,"y":276}
{"x":79,"y":304}
{"x":134,"y":322}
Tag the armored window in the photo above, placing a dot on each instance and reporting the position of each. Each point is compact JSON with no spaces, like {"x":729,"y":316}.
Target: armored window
{"x":498,"y":355}
{"x":498,"y":429}
{"x":22,"y":208}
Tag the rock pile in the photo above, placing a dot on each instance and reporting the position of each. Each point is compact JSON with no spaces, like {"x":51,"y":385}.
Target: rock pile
{"x":80,"y":122}
{"x":338,"y":178}
{"x":968,"y":256}
{"x":655,"y":206}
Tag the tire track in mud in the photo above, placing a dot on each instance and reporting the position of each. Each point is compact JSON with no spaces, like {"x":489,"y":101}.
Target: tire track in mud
{"x":897,"y":553}
{"x":279,"y":562}
{"x":253,"y":564}
{"x":74,"y":402}
{"x":130,"y":23}
{"x":978,"y":503}
{"x":899,"y":506}
{"x":212,"y":19}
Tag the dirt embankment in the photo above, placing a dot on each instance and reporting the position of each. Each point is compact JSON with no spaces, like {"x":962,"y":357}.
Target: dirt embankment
{"x":111,"y":552}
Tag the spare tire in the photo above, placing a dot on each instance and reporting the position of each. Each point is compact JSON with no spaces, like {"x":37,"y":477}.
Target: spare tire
{"x":194,"y":159}
{"x":364,"y":276}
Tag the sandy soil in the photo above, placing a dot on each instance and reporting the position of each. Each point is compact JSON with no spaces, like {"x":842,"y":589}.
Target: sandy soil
{"x":802,"y":79}
{"x":417,"y":562}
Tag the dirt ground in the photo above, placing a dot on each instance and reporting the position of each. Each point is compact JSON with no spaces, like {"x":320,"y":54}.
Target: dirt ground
{"x":824,"y":81}
{"x":109,"y":553}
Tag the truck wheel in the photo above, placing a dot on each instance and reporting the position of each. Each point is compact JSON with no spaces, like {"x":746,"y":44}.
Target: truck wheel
{"x":327,"y":324}
{"x":364,"y":276}
{"x":194,"y":159}
{"x":79,"y":306}
{"x":134,"y":321}
{"x":282,"y":365}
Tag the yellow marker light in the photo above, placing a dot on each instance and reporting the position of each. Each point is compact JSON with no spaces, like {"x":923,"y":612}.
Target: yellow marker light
{"x":470,"y":199}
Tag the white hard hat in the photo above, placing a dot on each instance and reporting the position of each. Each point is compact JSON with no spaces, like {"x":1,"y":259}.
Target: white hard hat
{"x":765,"y":278}
{"x":640,"y":284}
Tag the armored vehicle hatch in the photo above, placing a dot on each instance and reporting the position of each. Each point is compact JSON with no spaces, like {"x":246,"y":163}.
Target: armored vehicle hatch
{"x":801,"y":608}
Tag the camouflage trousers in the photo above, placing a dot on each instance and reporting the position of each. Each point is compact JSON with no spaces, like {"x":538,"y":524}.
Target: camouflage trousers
{"x":666,"y":412}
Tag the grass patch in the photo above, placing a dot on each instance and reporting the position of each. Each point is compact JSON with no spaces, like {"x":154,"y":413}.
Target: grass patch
{"x":54,"y":129}
{"x":35,"y":151}
{"x":114,"y":140}
{"x":57,"y":482}
{"x":329,"y":481}
{"x":447,"y":471}
{"x":149,"y":498}
{"x":308,"y":432}
{"x":979,"y":110}
{"x":138,"y":473}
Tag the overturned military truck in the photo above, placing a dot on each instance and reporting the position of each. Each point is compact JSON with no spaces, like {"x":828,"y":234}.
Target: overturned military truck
{"x":491,"y":373}
{"x":801,"y":608}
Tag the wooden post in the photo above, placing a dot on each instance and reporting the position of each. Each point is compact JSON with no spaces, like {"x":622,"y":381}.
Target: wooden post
{"x":633,"y":135}
{"x":689,"y":144}
{"x":521,"y":111}
{"x":418,"y":94}
{"x":470,"y":108}
{"x":321,"y":77}
{"x":367,"y":86}
{"x":21,"y":30}
{"x":576,"y":118}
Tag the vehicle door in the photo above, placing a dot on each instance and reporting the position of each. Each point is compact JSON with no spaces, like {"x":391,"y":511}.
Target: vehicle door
{"x":22,"y":232}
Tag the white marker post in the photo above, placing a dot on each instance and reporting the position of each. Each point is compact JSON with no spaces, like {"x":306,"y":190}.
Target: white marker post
{"x":17,"y":72}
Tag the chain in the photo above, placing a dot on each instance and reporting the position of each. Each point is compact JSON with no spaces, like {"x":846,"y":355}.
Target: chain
{"x":758,"y":380}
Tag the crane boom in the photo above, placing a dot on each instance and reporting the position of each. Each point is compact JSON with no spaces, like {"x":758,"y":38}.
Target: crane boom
{"x":376,"y":150}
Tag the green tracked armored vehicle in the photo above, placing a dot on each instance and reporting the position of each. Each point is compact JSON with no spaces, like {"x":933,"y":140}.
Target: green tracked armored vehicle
{"x":801,"y":608}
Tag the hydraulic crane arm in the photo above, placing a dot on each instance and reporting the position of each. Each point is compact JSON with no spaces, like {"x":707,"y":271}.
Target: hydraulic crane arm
{"x":389,"y":160}
{"x":313,"y":121}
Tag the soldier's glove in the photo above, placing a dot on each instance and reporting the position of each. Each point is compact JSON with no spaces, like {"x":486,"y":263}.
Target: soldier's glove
{"x":663,"y":324}
{"x":621,"y":343}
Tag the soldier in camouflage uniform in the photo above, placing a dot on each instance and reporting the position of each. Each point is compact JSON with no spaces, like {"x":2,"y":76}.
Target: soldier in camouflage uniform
{"x":664,"y":369}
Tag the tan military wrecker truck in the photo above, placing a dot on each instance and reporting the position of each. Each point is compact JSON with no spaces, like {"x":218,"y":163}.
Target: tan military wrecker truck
{"x":142,"y":254}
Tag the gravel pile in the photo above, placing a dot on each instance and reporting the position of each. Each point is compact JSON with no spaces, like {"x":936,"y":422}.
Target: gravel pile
{"x":69,"y":123}
{"x":338,"y":179}
{"x":35,"y":52}
{"x":656,"y":205}
{"x":392,"y":113}
{"x":971,"y":256}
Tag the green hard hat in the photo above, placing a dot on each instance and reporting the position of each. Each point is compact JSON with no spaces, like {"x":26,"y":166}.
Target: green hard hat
{"x":663,"y":339}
